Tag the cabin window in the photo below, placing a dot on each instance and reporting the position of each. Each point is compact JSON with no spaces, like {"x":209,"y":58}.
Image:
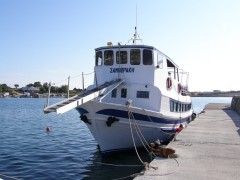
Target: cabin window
{"x":183,"y":107}
{"x":176,"y":106}
{"x":159,"y":61}
{"x":114,"y":93}
{"x":121,"y":57}
{"x":123,"y":93}
{"x":98,"y":61}
{"x":143,"y":94}
{"x":180,"y":107}
{"x":171,"y":105}
{"x":171,"y":68}
{"x":108,"y":57}
{"x":147,"y":57}
{"x":135,"y":57}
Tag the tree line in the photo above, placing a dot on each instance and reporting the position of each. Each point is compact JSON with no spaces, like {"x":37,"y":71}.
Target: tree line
{"x":43,"y":88}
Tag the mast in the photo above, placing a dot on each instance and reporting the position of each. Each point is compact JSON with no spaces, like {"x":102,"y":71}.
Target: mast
{"x":136,"y":36}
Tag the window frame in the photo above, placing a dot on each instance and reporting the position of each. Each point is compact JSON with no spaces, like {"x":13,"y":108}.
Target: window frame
{"x":98,"y":59}
{"x":160,"y":60}
{"x":124,"y":93}
{"x":137,"y":57}
{"x":114,"y":93}
{"x":142,"y":95}
{"x":109,"y":61}
{"x":147,"y":60}
{"x":123,"y":57}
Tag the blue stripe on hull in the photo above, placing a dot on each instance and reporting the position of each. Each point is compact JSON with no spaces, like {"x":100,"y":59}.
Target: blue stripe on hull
{"x":137,"y":116}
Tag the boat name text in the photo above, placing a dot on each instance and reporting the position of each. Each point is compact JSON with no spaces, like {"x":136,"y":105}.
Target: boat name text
{"x":121,"y":70}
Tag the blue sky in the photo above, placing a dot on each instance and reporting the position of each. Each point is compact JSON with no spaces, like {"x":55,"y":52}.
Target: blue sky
{"x":49,"y":40}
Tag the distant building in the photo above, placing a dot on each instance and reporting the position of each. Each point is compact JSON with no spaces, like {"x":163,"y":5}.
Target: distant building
{"x":30,"y":89}
{"x":6,"y":94}
{"x":216,"y":91}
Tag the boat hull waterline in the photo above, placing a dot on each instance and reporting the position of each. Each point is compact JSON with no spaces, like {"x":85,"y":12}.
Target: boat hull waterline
{"x":117,"y":135}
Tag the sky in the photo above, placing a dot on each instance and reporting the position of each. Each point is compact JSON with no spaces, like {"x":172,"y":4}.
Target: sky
{"x":50,"y":40}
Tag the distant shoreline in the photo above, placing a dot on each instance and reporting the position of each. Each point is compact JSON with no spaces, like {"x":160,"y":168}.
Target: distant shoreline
{"x":191,"y":95}
{"x":214,"y":94}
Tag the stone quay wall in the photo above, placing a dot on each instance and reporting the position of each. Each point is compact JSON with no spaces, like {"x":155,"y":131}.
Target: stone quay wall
{"x":235,"y":104}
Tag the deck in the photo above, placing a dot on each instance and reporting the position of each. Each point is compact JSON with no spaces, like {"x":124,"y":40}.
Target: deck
{"x":209,"y":148}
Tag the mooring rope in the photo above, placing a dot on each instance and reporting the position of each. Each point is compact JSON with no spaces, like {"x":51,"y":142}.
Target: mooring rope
{"x":135,"y":143}
{"x":118,"y":165}
{"x":165,"y":174}
{"x":137,"y":129}
{"x":146,"y":165}
{"x":151,"y":153}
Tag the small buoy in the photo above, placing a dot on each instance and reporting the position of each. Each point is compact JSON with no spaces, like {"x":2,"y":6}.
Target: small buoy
{"x":48,"y":129}
{"x":180,"y":128}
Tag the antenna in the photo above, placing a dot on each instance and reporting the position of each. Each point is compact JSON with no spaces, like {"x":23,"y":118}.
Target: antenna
{"x":136,"y":15}
{"x":136,"y":36}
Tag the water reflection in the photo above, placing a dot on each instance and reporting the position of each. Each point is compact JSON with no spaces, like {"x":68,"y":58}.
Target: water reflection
{"x":114,"y":166}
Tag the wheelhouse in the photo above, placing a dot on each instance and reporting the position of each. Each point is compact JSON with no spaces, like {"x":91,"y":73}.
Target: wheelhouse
{"x":125,"y":55}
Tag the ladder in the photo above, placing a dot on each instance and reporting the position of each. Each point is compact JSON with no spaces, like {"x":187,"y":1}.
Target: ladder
{"x":75,"y":101}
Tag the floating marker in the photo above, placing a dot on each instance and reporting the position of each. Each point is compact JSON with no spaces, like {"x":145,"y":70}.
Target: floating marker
{"x":48,"y":129}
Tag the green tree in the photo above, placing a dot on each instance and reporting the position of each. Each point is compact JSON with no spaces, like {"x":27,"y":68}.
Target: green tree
{"x":53,"y":89}
{"x":44,"y":88}
{"x":4,"y":88}
{"x":16,"y":86}
{"x":30,"y":85}
{"x":75,"y":90}
{"x":63,"y":89}
{"x":37,"y":84}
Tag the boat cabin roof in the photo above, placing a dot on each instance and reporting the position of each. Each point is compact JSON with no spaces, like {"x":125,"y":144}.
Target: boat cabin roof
{"x":170,"y":62}
{"x":125,"y":46}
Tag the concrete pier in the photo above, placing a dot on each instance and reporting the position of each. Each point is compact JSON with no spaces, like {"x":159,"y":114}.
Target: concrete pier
{"x":209,"y":148}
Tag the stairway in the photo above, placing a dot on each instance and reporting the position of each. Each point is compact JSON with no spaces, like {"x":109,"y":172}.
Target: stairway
{"x":73,"y":102}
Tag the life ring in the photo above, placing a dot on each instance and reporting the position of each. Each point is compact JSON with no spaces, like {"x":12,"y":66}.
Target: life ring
{"x":169,"y":83}
{"x":179,"y":88}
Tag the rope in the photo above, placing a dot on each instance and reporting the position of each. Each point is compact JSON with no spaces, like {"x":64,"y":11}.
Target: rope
{"x":89,"y":73}
{"x":137,"y":129}
{"x":165,"y":174}
{"x":76,"y":76}
{"x":151,"y":153}
{"x":9,"y":177}
{"x":118,"y":165}
{"x":135,"y":143}
{"x":72,"y":78}
{"x":146,"y":165}
{"x":60,"y":81}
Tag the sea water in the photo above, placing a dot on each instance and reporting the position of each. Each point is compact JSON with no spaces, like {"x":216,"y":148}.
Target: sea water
{"x":68,"y":151}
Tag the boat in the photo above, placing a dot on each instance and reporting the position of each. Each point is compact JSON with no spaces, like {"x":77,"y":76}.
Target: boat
{"x":139,"y":95}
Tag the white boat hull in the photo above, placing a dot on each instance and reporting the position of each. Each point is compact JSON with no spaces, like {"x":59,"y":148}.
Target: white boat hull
{"x":119,"y":136}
